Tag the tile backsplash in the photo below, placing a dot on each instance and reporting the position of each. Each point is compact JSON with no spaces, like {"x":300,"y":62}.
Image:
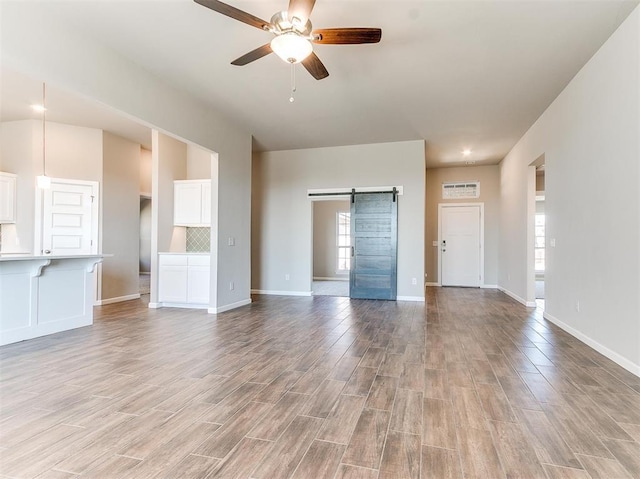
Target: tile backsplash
{"x":198,"y":239}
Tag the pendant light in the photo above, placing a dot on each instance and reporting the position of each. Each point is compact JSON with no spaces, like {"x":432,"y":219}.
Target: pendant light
{"x":43,"y":181}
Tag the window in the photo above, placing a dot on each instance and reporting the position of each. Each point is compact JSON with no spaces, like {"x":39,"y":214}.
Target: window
{"x":344,"y":241}
{"x":539,"y":245}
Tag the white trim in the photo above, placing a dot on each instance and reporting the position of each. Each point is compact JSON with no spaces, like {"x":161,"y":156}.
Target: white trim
{"x":615,"y":357}
{"x":489,"y":286}
{"x":154,"y":305}
{"x":322,"y":278}
{"x":528,"y":304}
{"x":441,"y":206}
{"x":432,"y":284}
{"x":419,"y":299}
{"x":281,"y":293}
{"x":228,"y":307}
{"x":183,"y":305}
{"x":117,"y":299}
{"x":359,"y":189}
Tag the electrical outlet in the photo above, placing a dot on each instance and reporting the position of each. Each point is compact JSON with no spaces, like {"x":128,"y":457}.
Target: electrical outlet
{"x":231,"y":286}
{"x":287,"y":277}
{"x":232,"y":241}
{"x":414,"y":281}
{"x":552,"y":242}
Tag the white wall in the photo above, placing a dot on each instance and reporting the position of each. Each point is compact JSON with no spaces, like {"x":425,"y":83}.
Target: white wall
{"x":18,"y":156}
{"x":120,"y":217}
{"x":281,"y":213}
{"x":590,"y":136}
{"x":198,"y":163}
{"x":145,"y":172}
{"x":71,"y":152}
{"x":325,"y":248}
{"x":80,"y":65}
{"x":489,"y":178}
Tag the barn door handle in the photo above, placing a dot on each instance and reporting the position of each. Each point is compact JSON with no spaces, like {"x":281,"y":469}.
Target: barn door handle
{"x":353,"y":251}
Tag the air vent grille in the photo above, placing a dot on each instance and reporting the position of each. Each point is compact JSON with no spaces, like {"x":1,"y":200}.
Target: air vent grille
{"x":455,"y":191}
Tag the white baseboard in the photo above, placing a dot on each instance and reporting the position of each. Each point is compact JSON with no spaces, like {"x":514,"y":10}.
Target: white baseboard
{"x":432,"y":284}
{"x":119,"y":299}
{"x":419,"y":299}
{"x":182,"y":305}
{"x":155,"y":305}
{"x":615,"y":357}
{"x":229,"y":307}
{"x":489,"y":286}
{"x":339,"y":278}
{"x":528,"y":304}
{"x":281,"y":293}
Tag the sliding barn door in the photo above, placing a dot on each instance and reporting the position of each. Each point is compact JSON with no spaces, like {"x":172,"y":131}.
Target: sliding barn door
{"x":374,"y":236}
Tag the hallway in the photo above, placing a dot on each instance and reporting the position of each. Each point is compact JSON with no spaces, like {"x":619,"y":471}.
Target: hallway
{"x":472,"y":383}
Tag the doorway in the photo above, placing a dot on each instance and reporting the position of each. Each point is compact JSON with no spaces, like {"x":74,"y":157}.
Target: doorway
{"x":539,"y":236}
{"x":536,"y":234}
{"x":331,"y":247}
{"x":461,"y":244}
{"x":145,"y":245}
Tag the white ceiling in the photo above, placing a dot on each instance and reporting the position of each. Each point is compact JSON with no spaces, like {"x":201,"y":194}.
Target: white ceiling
{"x":458,"y":74}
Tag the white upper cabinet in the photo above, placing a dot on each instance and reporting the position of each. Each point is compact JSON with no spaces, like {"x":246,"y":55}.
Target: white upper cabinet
{"x":7,"y":198}
{"x":192,"y":203}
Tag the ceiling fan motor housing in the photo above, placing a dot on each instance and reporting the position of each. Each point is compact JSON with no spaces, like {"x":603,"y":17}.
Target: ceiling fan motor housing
{"x":281,"y":23}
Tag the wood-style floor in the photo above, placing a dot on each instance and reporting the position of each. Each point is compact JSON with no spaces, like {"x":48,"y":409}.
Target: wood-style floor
{"x":470,"y":385}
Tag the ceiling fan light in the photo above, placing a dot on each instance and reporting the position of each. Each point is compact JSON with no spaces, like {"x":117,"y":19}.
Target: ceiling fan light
{"x":291,"y":47}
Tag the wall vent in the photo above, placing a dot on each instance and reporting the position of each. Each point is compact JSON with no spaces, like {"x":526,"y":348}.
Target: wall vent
{"x":456,"y":191}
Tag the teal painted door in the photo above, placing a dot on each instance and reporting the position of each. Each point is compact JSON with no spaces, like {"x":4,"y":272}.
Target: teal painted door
{"x":374,"y":236}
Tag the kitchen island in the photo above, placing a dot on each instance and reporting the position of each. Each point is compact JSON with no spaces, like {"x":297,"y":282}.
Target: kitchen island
{"x":42,"y":295}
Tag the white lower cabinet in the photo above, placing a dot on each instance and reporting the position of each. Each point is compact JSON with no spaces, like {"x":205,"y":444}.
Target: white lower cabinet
{"x":184,"y":280}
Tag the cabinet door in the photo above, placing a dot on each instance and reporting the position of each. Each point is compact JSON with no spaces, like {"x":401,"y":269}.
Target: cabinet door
{"x":172,"y":284}
{"x":187,"y":204}
{"x":7,"y":198}
{"x":206,"y":203}
{"x":198,"y":285}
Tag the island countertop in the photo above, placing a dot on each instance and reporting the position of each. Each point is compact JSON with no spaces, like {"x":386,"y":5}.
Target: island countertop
{"x":27,"y":257}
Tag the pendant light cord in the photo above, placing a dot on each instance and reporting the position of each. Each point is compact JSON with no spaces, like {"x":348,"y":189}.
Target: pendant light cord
{"x":44,"y":119}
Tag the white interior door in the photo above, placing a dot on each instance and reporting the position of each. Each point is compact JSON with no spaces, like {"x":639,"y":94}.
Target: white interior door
{"x":69,"y":218}
{"x":460,"y":245}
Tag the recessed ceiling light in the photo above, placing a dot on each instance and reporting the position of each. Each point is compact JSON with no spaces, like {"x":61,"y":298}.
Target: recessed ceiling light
{"x":466,"y":152}
{"x":38,"y":108}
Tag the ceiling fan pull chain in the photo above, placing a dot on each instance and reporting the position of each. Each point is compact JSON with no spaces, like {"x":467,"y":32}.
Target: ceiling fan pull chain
{"x":293,"y":82}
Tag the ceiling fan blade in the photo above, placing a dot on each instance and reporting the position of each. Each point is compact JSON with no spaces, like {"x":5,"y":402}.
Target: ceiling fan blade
{"x":301,"y":9}
{"x":234,"y":13}
{"x":253,"y":55}
{"x":347,"y":36}
{"x":314,"y":66}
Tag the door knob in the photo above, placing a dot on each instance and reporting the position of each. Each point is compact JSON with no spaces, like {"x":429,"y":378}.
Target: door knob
{"x":47,"y":251}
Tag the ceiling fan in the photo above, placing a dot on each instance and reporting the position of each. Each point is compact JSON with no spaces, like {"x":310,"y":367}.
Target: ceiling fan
{"x":294,"y":35}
